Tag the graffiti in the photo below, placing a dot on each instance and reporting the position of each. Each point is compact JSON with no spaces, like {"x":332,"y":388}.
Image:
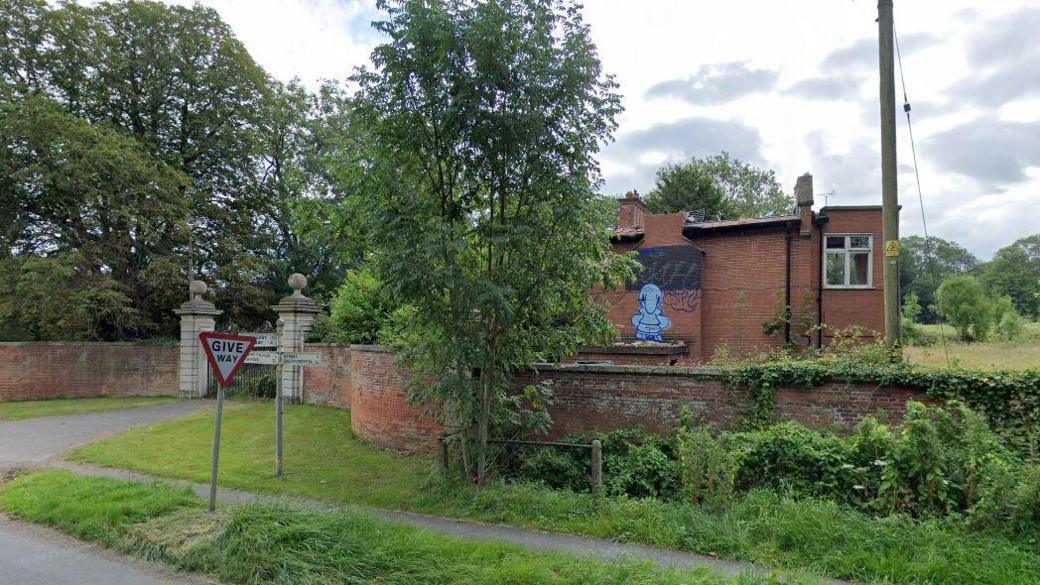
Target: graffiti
{"x":650,"y":320}
{"x":685,"y":301}
{"x":670,"y":268}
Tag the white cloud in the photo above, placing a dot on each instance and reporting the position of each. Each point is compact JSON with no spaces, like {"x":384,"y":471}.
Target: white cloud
{"x":822,"y":45}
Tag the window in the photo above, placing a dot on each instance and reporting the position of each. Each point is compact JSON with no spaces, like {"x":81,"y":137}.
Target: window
{"x":847,"y":260}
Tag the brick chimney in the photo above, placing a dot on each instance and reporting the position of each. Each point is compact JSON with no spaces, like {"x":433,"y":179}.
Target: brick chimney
{"x":632,"y":211}
{"x":803,"y":195}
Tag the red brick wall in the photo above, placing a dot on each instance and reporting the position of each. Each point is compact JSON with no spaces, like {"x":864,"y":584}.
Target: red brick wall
{"x":863,"y":307}
{"x":603,"y":398}
{"x":329,"y":382}
{"x":32,"y":371}
{"x":379,"y":410}
{"x":607,"y":397}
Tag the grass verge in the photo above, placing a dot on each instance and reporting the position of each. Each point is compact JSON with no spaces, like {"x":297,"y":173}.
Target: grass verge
{"x":260,"y":544}
{"x":326,"y":462}
{"x":61,"y":406}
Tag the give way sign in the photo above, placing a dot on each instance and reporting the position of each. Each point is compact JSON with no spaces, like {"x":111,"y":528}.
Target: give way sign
{"x":226,"y":353}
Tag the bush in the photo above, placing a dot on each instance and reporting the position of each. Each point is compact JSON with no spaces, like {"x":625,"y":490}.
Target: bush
{"x":1010,"y":325}
{"x":635,"y":463}
{"x":360,"y":309}
{"x":706,"y":468}
{"x":789,"y":457}
{"x":964,"y":305}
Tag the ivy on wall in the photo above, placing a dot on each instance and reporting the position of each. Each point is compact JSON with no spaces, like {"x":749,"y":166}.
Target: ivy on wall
{"x":1010,"y":400}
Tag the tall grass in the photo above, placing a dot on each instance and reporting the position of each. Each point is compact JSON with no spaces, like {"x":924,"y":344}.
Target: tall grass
{"x":260,"y":545}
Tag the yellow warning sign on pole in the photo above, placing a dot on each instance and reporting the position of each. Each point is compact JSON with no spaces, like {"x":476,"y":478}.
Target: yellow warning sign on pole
{"x":892,"y":248}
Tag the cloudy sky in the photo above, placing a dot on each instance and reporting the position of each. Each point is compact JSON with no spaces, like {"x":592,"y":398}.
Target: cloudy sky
{"x":791,"y":86}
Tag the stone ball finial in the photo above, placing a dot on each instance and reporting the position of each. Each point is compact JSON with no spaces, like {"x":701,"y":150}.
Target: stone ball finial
{"x":197,"y":288}
{"x":297,"y":282}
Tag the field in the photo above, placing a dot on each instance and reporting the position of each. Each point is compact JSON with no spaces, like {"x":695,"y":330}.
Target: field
{"x":325,"y":461}
{"x":62,"y":406}
{"x":1023,"y":353}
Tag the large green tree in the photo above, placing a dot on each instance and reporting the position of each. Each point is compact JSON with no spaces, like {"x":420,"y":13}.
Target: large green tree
{"x":91,"y":225}
{"x":487,"y":116}
{"x":177,"y":81}
{"x":1015,"y":272}
{"x":723,"y":186}
{"x":925,"y":263}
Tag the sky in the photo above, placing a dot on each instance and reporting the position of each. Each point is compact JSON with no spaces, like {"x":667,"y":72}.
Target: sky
{"x":790,"y":86}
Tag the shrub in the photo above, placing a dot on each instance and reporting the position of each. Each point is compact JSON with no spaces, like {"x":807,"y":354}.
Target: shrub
{"x":643,"y":471}
{"x":1010,"y":325}
{"x":964,"y":305}
{"x":792,"y":458}
{"x":706,"y":468}
{"x":360,"y":309}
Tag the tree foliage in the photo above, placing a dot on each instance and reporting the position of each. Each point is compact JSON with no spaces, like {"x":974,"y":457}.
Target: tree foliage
{"x":964,"y":305}
{"x":925,"y":263}
{"x":485,"y":117}
{"x":1015,"y":272}
{"x":92,"y":223}
{"x":178,"y":85}
{"x":723,"y":186}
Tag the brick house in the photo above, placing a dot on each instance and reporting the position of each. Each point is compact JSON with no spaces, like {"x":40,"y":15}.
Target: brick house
{"x":726,"y":284}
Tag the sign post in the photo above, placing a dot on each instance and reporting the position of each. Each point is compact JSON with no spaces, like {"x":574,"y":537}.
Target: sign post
{"x":279,"y":358}
{"x":226,"y":353}
{"x":279,"y":412}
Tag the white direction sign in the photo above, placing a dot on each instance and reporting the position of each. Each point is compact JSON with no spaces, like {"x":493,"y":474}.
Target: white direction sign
{"x":292,"y":358}
{"x":301,"y":358}
{"x":265,"y":339}
{"x":226,"y":353}
{"x":265,"y":357}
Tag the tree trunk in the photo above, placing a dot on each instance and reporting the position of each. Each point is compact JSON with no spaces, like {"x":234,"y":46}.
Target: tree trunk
{"x":483,"y":425}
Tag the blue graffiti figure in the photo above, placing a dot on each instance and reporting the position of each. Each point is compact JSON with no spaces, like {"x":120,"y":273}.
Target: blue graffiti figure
{"x":650,"y":320}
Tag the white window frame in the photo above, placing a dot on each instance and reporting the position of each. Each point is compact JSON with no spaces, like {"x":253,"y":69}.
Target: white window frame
{"x":848,"y":261}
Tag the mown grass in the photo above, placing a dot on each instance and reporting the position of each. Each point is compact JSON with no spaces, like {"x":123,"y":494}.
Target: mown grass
{"x":323,"y":460}
{"x":327,"y":462}
{"x":1023,"y":353}
{"x":60,"y":406}
{"x":260,"y":544}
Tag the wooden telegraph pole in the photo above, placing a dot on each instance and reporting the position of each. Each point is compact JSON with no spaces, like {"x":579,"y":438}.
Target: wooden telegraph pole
{"x":889,"y":187}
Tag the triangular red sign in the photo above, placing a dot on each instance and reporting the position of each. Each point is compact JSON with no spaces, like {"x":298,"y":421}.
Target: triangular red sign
{"x":226,"y":353}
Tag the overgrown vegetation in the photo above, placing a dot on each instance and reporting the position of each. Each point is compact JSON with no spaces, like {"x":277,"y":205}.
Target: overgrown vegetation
{"x":776,"y":526}
{"x":261,"y":544}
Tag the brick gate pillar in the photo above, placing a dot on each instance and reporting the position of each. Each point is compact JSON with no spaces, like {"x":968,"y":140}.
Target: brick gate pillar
{"x":197,"y":315}
{"x":297,"y":313}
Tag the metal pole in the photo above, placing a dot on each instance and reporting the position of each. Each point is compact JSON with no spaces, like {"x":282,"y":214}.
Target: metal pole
{"x":597,"y":467}
{"x":279,"y":409}
{"x":216,"y":450}
{"x":889,"y":186}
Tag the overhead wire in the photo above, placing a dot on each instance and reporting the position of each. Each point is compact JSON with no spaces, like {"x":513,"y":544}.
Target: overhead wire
{"x":920,"y":196}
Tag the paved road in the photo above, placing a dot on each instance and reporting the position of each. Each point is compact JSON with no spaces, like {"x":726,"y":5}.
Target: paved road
{"x":35,"y":440}
{"x":32,"y":555}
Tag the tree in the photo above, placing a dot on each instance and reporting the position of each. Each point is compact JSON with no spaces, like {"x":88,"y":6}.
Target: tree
{"x":925,"y":263}
{"x":177,"y":81}
{"x":686,"y":187}
{"x":965,"y":306}
{"x":723,"y":186}
{"x":92,"y":223}
{"x":486,"y":117}
{"x":1015,"y":272}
